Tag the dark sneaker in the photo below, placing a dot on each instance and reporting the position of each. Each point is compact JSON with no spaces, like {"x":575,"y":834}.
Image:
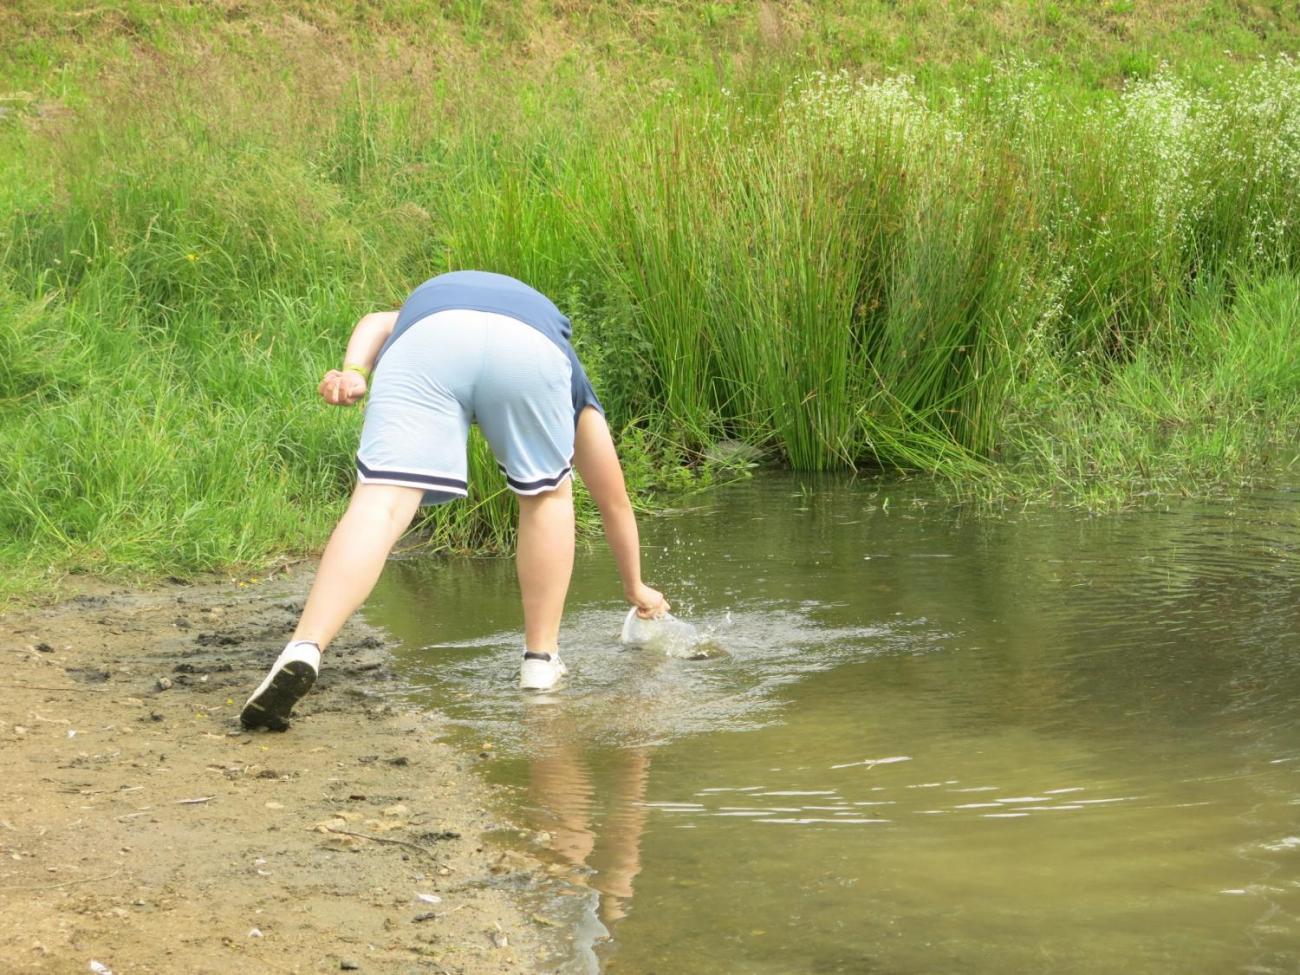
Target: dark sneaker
{"x":291,"y":676}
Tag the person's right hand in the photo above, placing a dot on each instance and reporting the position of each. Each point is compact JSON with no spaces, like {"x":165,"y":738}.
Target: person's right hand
{"x":342,"y":388}
{"x":650,"y":603}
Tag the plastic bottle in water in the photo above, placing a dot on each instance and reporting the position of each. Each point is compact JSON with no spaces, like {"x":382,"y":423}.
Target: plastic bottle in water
{"x":665,"y":634}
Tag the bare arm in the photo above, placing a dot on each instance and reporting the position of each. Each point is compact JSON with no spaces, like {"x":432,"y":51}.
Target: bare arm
{"x":369,"y":337}
{"x":345,"y":387}
{"x":597,"y":461}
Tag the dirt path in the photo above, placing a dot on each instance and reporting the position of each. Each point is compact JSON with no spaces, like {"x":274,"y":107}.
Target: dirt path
{"x":141,"y":829}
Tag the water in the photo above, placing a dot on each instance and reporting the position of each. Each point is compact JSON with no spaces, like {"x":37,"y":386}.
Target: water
{"x":937,"y":741}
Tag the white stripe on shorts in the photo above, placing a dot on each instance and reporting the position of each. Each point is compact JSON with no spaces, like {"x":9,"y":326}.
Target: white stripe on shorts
{"x":420,"y":479}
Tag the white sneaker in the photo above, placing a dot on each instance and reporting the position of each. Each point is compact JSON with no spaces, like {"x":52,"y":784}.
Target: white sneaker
{"x":541,"y":671}
{"x":291,"y":676}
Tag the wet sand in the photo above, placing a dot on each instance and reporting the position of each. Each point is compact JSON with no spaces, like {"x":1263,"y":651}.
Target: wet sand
{"x":142,"y":829}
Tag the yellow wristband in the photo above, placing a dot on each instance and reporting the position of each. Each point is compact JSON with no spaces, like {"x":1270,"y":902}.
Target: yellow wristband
{"x":357,"y":368}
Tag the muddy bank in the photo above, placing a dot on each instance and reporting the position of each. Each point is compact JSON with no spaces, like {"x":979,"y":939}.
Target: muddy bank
{"x":142,"y":829}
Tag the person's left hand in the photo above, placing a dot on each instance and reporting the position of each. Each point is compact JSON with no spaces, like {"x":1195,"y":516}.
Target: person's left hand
{"x":342,"y":388}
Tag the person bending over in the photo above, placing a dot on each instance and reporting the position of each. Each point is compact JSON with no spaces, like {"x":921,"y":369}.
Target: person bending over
{"x":466,"y":347}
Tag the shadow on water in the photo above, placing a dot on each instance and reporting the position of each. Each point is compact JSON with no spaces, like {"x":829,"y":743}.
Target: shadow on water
{"x":937,"y":741}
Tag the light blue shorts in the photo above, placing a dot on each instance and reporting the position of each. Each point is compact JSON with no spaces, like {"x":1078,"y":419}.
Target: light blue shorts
{"x":459,"y":367}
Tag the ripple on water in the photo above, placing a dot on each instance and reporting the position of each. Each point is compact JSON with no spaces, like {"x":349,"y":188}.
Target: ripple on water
{"x":624,"y":696}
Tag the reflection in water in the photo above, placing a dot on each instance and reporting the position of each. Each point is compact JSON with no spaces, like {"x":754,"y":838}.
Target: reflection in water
{"x":562,"y":795}
{"x":937,"y":742}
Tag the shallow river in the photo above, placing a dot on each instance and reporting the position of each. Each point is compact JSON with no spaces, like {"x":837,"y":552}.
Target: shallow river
{"x":938,"y":740}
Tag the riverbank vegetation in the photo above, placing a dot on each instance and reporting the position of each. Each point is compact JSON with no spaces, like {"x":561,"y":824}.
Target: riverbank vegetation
{"x":844,"y":236}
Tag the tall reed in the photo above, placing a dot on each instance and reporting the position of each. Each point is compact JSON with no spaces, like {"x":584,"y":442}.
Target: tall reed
{"x":846,"y":272}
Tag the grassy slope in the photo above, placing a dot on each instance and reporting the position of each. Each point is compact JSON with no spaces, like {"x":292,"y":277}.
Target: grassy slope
{"x":1101,"y":41}
{"x":201,"y":196}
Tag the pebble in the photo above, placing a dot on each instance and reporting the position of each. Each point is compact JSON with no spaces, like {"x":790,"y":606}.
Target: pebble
{"x":164,"y":683}
{"x":348,"y":965}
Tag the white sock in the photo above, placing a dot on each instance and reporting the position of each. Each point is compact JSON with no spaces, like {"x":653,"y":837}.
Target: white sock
{"x":304,"y":650}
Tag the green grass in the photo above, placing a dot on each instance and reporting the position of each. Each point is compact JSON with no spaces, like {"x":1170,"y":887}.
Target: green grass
{"x":1221,"y":412}
{"x":1073,"y":277}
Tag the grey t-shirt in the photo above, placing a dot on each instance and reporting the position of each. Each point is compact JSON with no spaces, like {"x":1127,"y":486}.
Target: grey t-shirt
{"x":501,"y":295}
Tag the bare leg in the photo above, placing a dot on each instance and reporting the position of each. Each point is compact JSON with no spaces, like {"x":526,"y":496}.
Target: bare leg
{"x":544,"y":563}
{"x":354,"y":557}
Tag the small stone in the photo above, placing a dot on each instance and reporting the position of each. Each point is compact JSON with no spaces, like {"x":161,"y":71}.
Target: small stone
{"x":164,"y":684}
{"x":255,"y":933}
{"x":44,"y":648}
{"x":348,"y":965}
